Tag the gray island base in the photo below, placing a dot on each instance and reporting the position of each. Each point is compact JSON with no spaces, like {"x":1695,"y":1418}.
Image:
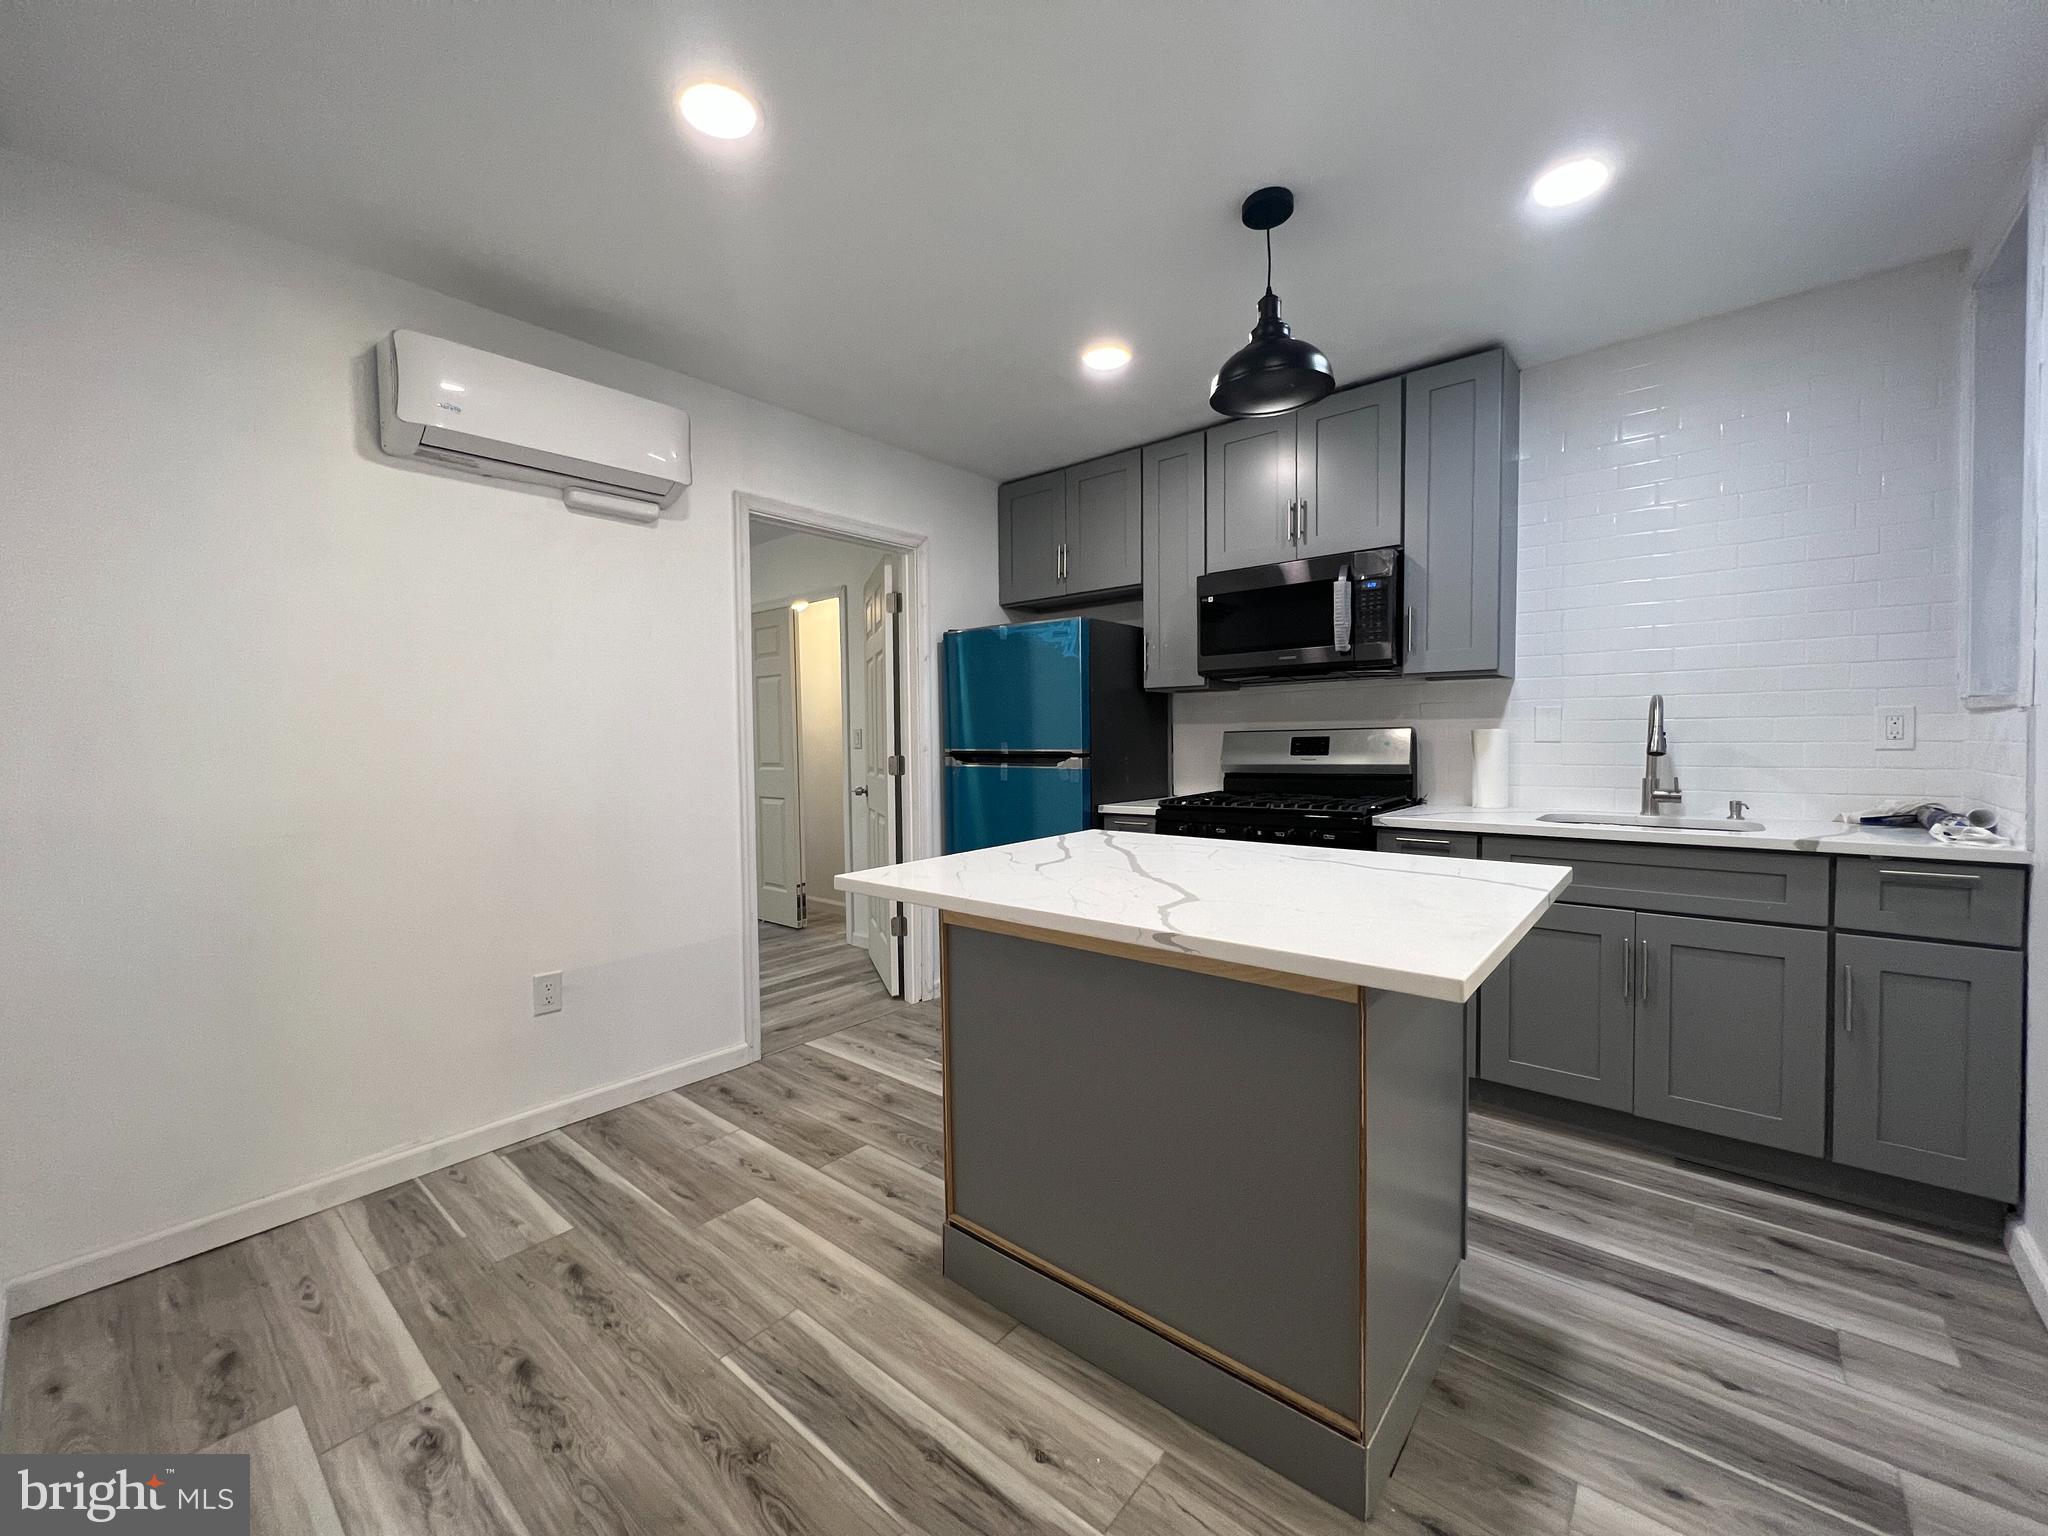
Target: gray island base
{"x":1238,"y":1190}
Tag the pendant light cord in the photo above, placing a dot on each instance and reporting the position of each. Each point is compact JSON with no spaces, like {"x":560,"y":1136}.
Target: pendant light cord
{"x":1269,"y":261}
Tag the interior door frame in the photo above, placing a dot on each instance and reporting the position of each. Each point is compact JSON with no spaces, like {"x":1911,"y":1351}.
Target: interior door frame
{"x":917,"y":716}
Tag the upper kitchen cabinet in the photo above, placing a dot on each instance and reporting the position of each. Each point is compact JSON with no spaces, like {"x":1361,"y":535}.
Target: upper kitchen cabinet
{"x":1347,"y":471}
{"x":1031,"y":521}
{"x":1458,"y":572}
{"x":1104,"y":523}
{"x":1175,"y":474}
{"x":1324,"y":480}
{"x":1251,"y":496}
{"x":1071,"y":534}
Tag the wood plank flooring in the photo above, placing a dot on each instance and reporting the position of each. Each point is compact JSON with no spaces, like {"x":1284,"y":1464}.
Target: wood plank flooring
{"x":814,"y":983}
{"x":720,"y":1311}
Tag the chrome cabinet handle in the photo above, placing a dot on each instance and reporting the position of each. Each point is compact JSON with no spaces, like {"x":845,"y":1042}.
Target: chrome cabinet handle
{"x":1408,"y":631}
{"x":1848,"y":998}
{"x":1063,"y":559}
{"x":1628,"y":968}
{"x":1301,"y":518}
{"x":1422,"y":842}
{"x":1928,"y":877}
{"x":1643,"y":991}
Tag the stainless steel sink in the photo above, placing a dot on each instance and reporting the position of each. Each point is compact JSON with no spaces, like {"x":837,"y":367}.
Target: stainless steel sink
{"x":1666,"y":823}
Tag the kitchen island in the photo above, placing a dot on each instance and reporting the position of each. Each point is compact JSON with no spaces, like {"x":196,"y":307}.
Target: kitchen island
{"x":1205,"y":1118}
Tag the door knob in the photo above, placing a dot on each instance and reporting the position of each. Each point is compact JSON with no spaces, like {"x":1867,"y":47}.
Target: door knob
{"x":860,"y":789}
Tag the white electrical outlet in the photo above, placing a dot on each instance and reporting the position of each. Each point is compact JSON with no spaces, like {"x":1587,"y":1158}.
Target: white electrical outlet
{"x":547,"y":993}
{"x":1895,"y":728}
{"x":1549,"y":722}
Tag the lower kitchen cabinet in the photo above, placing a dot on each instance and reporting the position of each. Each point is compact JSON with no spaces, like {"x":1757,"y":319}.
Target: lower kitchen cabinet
{"x":1731,"y":1029}
{"x":1556,"y":1016}
{"x":1927,"y":1062}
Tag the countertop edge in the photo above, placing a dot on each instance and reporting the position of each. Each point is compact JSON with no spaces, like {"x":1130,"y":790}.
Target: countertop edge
{"x":1810,"y":837}
{"x":1437,"y":986}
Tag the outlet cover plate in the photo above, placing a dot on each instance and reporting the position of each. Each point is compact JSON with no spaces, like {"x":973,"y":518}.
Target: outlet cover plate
{"x":547,"y":993}
{"x":1549,"y":722}
{"x":1895,"y":728}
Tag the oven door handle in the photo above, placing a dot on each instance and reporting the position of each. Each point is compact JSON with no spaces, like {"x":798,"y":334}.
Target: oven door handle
{"x":1340,"y":611}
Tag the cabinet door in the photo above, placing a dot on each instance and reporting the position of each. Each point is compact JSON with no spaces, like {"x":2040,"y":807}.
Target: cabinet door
{"x":1031,"y":524}
{"x":1175,"y":474}
{"x":1104,"y":522}
{"x":1347,"y":470}
{"x":1927,"y":1062}
{"x":1458,"y":522}
{"x":1555,"y":1017}
{"x":1251,"y":493}
{"x":1731,"y":1029}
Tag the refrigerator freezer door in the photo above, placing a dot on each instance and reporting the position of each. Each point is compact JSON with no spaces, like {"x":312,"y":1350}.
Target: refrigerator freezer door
{"x":992,"y":803}
{"x":1018,"y":688}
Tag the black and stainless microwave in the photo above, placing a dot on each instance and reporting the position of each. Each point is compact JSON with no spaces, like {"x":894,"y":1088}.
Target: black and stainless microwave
{"x":1333,"y":613}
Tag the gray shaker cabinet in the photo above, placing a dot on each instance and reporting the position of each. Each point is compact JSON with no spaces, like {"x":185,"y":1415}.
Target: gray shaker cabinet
{"x":1731,"y":1032}
{"x":1175,"y":474}
{"x":1070,"y":534}
{"x":1927,"y":1062}
{"x":1104,"y":523}
{"x":1031,"y":524}
{"x":1251,"y":492}
{"x":1458,"y":576}
{"x":1347,"y":471}
{"x":1556,"y":1016}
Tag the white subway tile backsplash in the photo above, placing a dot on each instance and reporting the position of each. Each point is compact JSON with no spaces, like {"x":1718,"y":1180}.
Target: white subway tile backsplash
{"x":1753,"y":515}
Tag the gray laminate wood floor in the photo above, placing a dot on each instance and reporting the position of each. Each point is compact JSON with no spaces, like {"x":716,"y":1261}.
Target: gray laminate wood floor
{"x":720,"y":1311}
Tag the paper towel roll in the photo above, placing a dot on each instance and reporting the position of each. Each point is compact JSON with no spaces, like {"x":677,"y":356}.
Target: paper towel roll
{"x":1490,"y":768}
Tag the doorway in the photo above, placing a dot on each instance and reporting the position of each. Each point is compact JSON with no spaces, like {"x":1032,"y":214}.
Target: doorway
{"x":826,"y":709}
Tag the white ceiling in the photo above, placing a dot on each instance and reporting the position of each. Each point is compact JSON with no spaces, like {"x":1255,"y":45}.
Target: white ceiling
{"x":948,"y":199}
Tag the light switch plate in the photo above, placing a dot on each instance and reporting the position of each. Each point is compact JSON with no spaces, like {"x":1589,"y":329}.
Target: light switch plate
{"x":1549,"y":722}
{"x":1895,"y":728}
{"x":547,"y":993}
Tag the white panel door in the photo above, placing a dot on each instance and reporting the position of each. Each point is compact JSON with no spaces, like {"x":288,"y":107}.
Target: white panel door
{"x":778,"y":816}
{"x":880,"y":668}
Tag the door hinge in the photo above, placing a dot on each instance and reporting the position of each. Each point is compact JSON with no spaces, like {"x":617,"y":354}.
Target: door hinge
{"x":803,"y":903}
{"x":893,"y":765}
{"x":897,"y":926}
{"x":892,"y":602}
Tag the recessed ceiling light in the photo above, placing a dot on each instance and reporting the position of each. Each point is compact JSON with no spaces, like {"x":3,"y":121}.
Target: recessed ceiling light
{"x":1571,"y":181}
{"x":1105,"y":356}
{"x":719,"y":110}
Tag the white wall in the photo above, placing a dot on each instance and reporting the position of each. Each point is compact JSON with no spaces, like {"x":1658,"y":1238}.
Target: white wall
{"x":1753,"y":514}
{"x":308,"y":761}
{"x":822,"y":747}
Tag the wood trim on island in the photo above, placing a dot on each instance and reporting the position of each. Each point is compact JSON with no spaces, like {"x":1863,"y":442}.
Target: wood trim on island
{"x":1346,"y":1427}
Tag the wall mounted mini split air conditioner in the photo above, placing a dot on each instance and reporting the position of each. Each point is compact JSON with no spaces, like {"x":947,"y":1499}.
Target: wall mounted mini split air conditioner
{"x":609,"y":452}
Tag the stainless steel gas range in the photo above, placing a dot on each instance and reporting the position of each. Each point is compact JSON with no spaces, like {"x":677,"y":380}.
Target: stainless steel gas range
{"x":1315,"y":787}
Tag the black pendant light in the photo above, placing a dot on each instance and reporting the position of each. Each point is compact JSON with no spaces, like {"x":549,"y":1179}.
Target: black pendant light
{"x":1275,"y":372}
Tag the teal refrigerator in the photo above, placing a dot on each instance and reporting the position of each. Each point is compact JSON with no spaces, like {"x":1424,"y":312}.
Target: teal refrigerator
{"x":1043,"y":722}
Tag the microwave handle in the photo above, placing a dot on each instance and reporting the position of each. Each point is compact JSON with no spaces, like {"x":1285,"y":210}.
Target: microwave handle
{"x":1340,"y":610}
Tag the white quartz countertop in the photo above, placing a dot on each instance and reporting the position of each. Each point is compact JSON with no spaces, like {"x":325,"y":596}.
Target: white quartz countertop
{"x":1407,"y":923}
{"x":1786,"y":836}
{"x":1129,"y":808}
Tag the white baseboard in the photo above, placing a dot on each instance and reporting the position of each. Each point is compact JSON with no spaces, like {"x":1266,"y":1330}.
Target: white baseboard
{"x":2031,"y":1263}
{"x":74,"y":1277}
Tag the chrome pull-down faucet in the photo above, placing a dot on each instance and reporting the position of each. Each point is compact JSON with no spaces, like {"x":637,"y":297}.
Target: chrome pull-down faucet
{"x":1655,"y":791}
